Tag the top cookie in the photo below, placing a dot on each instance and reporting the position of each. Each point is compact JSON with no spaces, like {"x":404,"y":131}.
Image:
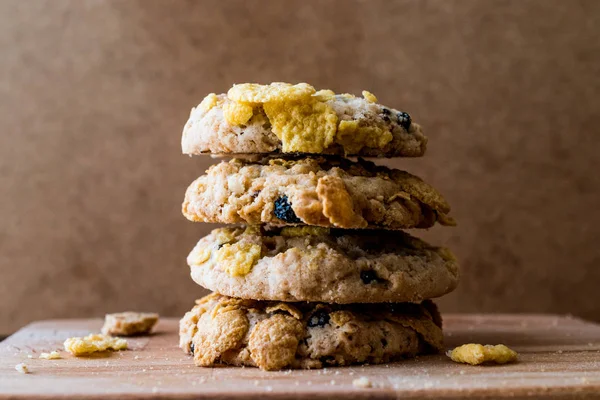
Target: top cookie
{"x":284,"y":118}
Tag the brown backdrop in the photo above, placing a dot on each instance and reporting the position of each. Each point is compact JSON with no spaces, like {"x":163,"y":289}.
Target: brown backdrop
{"x":93,"y":96}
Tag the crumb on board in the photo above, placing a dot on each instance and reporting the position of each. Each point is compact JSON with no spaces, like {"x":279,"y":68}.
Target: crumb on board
{"x":362,"y":382}
{"x":81,"y":346}
{"x":476,"y":354}
{"x":53,"y":355}
{"x":22,"y":368}
{"x":129,"y":323}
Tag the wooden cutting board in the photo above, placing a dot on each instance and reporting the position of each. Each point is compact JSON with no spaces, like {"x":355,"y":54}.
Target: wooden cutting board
{"x":559,"y":358}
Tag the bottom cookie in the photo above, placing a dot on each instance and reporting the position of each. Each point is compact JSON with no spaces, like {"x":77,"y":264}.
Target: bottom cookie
{"x":274,"y":335}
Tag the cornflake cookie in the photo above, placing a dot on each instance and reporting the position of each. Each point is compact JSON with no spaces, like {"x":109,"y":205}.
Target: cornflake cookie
{"x":476,"y":354}
{"x":285,"y":118}
{"x":93,"y":343}
{"x":307,"y":263}
{"x":273,"y":335}
{"x":320,"y":191}
{"x":129,"y":323}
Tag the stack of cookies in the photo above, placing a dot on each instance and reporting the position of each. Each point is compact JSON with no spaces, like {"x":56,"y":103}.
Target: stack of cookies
{"x":316,"y":271}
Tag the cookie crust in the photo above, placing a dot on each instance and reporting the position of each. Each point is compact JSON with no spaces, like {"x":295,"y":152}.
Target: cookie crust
{"x":273,"y":335}
{"x":322,"y":265}
{"x":327,"y":192}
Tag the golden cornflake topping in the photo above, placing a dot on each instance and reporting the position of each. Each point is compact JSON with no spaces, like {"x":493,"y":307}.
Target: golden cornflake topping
{"x":302,"y":127}
{"x":300,"y":117}
{"x":199,"y":255}
{"x":354,"y":137}
{"x":238,"y":259}
{"x":209,"y":102}
{"x":237,"y":113}
{"x":93,"y":343}
{"x":476,"y":354}
{"x":370,"y":97}
{"x":324,"y":95}
{"x":276,"y":91}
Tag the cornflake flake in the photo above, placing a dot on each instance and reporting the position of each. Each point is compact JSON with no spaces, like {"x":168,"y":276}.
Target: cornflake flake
{"x":93,"y":343}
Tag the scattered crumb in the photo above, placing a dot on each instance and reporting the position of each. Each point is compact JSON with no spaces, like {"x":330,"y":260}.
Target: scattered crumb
{"x":53,"y":355}
{"x":93,"y":343}
{"x":269,"y":388}
{"x":256,"y":383}
{"x":332,"y":382}
{"x":137,"y":357}
{"x":559,"y":351}
{"x":29,"y":355}
{"x":154,"y":389}
{"x":22,"y":368}
{"x":476,"y":354}
{"x":129,"y":323}
{"x":362,"y":382}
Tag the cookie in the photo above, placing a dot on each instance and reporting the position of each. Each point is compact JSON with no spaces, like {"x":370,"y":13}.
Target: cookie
{"x":129,"y":323}
{"x":284,"y":118}
{"x":319,"y":191}
{"x":322,"y":265}
{"x":273,"y":335}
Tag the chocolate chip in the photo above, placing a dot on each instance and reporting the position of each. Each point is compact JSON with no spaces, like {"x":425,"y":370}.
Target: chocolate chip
{"x":383,"y":342}
{"x":404,"y":120}
{"x":385,"y":111}
{"x":319,"y":318}
{"x":283,"y":210}
{"x":192,"y":348}
{"x":368,"y":276}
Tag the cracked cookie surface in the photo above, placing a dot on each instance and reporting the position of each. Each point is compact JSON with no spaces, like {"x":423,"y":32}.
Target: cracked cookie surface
{"x":324,"y":265}
{"x":274,"y":335}
{"x":284,"y":118}
{"x":327,"y":192}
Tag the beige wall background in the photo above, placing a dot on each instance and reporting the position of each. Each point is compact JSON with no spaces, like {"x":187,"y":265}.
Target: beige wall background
{"x":93,"y":96}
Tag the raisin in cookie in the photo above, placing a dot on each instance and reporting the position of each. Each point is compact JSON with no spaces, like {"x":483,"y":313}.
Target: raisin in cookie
{"x":284,"y":118}
{"x":322,"y":265}
{"x":320,"y":191}
{"x":273,"y":335}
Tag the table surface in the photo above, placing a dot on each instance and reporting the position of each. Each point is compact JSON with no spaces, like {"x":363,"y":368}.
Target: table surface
{"x":559,"y":357}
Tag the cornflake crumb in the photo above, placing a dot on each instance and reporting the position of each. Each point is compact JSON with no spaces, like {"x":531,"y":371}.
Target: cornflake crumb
{"x":362,"y":382}
{"x":476,"y":354}
{"x":53,"y":355}
{"x":22,"y":368}
{"x":370,"y":97}
{"x":93,"y":343}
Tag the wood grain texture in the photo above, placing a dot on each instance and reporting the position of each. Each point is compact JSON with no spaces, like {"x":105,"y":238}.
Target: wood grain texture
{"x":559,"y":357}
